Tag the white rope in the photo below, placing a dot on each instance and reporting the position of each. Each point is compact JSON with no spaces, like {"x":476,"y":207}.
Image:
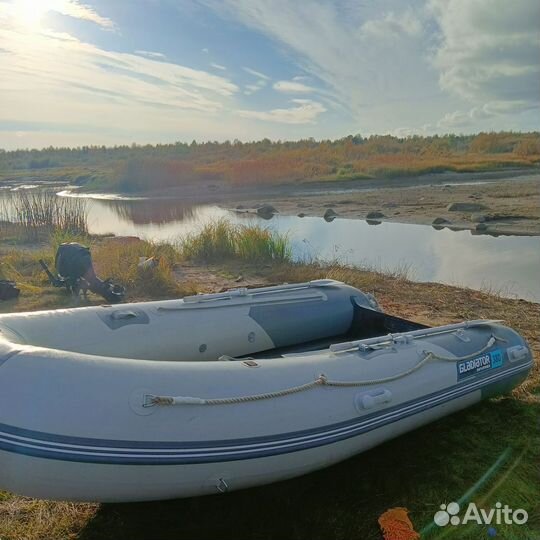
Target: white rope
{"x":185,"y":400}
{"x":322,"y":380}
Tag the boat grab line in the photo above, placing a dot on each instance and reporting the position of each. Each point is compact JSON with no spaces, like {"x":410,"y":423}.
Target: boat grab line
{"x":151,"y":400}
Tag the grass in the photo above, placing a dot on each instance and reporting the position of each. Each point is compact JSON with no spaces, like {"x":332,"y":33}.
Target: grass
{"x":132,"y":175}
{"x":221,"y":240}
{"x":485,"y":454}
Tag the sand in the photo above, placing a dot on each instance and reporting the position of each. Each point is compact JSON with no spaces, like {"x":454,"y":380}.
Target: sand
{"x":484,"y":204}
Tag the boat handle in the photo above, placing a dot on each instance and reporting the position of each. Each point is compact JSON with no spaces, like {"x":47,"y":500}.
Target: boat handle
{"x":371,"y":399}
{"x":118,"y":315}
{"x":518,"y":352}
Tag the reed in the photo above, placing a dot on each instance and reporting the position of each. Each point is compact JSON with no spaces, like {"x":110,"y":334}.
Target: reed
{"x":37,"y":214}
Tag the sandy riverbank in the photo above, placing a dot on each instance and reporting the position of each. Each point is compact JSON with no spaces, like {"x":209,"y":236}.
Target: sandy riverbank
{"x":483,"y":204}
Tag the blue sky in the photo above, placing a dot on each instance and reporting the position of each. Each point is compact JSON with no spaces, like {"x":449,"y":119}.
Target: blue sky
{"x":120,"y":71}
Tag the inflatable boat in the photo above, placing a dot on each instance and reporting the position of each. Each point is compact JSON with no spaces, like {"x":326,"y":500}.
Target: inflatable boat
{"x":219,"y":392}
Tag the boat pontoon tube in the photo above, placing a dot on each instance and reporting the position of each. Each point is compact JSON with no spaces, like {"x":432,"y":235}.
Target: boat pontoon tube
{"x":79,"y":420}
{"x":201,"y":327}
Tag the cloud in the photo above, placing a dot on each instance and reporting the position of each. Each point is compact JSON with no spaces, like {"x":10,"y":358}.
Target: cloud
{"x":150,"y":54}
{"x":304,"y":111}
{"x":345,"y":45}
{"x":391,"y":25}
{"x":488,"y":51}
{"x":257,"y":74}
{"x":218,"y":66}
{"x":75,"y":9}
{"x":292,"y":87}
{"x":22,"y":11}
{"x":51,"y":79}
{"x":252,"y":88}
{"x":393,"y":63}
{"x":490,"y":110}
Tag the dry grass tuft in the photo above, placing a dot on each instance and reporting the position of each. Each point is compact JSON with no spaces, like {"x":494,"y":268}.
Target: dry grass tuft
{"x":120,"y":262}
{"x":22,"y":518}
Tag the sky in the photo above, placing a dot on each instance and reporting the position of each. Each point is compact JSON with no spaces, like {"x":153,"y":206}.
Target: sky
{"x":76,"y":72}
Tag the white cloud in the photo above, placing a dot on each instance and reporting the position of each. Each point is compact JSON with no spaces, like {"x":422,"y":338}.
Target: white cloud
{"x":292,"y":87}
{"x":490,"y":110}
{"x":150,"y":54}
{"x":28,"y":11}
{"x":74,"y":8}
{"x":392,"y":63}
{"x":455,"y":119}
{"x":252,"y":88}
{"x":255,"y":73}
{"x":304,"y":111}
{"x":391,"y":25}
{"x":489,"y":52}
{"x":51,"y":79}
{"x":335,"y":43}
{"x":218,"y":66}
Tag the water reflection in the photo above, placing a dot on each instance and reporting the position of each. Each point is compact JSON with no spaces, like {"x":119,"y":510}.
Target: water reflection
{"x":507,"y":264}
{"x":147,"y":211}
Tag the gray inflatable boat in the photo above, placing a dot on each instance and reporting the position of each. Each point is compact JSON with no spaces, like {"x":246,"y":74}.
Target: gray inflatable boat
{"x":218,"y":392}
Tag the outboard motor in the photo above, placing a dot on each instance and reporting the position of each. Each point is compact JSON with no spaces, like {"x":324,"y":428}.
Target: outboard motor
{"x":73,"y":263}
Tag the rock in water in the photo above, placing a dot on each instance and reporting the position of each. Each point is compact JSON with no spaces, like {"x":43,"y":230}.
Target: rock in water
{"x":439,"y":221}
{"x":375,"y":215}
{"x":330,"y":215}
{"x":266,"y":211}
{"x":479,"y":218}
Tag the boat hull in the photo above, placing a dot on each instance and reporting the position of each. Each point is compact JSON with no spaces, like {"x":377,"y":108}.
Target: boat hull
{"x":76,"y":427}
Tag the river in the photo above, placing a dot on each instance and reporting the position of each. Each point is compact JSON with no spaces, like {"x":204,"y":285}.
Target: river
{"x":507,"y":265}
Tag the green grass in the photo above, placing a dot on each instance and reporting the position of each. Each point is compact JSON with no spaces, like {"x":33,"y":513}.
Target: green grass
{"x":221,"y":240}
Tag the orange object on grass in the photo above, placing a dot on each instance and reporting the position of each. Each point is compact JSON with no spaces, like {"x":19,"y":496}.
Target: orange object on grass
{"x":396,"y":525}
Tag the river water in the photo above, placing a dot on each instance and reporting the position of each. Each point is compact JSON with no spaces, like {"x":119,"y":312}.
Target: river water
{"x":508,"y":265}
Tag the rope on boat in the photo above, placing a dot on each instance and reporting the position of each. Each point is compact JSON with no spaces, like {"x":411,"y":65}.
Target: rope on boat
{"x":321,"y":380}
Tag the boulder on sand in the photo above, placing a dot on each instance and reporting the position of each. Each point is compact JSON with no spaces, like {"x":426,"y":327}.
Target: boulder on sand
{"x":465,"y":207}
